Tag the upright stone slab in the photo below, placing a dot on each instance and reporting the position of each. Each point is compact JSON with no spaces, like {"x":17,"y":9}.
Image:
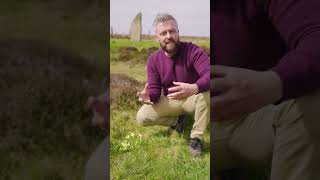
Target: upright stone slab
{"x":136,"y":29}
{"x":111,"y":31}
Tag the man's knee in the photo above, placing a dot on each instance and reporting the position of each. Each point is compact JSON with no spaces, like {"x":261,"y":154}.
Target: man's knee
{"x":97,"y":166}
{"x":257,"y":157}
{"x":309,"y":107}
{"x":141,"y":118}
{"x":203,"y":97}
{"x":93,"y":171}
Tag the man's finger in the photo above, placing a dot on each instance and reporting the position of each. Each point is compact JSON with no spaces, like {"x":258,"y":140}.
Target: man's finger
{"x":174,"y":94}
{"x":226,"y":109}
{"x":177,"y":83}
{"x":219,"y":70}
{"x":148,"y":102}
{"x":221,"y":101}
{"x":218,"y":85}
{"x":176,"y":88}
{"x":145,"y":88}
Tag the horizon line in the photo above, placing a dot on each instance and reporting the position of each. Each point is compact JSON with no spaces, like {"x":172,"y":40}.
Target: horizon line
{"x":148,"y":35}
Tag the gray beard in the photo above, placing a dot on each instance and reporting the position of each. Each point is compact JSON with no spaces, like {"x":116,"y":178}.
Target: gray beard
{"x":173,"y":50}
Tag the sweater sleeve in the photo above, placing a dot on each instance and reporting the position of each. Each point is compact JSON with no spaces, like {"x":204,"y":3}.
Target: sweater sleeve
{"x":298,"y":22}
{"x":154,"y":81}
{"x":202,"y":66}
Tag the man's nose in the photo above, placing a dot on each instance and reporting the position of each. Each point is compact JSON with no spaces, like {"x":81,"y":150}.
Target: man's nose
{"x":168,"y":35}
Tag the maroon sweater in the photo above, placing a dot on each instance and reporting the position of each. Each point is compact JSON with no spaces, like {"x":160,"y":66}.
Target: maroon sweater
{"x":189,"y":65}
{"x":278,"y":35}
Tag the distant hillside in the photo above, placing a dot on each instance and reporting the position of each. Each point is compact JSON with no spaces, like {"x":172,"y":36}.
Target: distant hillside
{"x":150,"y":37}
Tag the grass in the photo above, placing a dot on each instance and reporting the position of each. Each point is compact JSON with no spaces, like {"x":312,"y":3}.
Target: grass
{"x":123,"y":68}
{"x":156,"y":154}
{"x":117,"y":43}
{"x":147,"y":152}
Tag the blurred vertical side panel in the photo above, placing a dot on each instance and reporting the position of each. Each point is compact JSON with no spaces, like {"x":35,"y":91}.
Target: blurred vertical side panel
{"x":54,"y":80}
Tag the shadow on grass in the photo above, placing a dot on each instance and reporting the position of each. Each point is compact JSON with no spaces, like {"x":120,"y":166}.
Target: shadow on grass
{"x":163,"y":133}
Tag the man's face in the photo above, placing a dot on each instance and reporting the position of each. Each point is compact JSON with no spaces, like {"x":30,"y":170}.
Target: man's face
{"x":167,"y":34}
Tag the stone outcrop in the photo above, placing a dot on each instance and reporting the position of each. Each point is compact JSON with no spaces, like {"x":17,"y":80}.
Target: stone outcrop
{"x":136,"y":28}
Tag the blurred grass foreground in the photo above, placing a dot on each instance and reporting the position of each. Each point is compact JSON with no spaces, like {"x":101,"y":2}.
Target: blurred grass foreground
{"x":52,"y":57}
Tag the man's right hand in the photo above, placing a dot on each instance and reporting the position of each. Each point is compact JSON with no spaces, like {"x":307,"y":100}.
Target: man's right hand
{"x":144,"y":95}
{"x":238,"y":91}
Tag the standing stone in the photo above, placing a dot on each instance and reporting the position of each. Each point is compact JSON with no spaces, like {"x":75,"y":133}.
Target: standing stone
{"x":136,"y":28}
{"x":111,"y":31}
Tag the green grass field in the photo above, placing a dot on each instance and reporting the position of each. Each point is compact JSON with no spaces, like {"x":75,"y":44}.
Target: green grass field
{"x":147,"y":152}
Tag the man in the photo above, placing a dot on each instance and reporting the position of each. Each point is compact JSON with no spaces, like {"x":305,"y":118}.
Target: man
{"x":182,"y":71}
{"x":266,"y":70}
{"x":98,"y":165}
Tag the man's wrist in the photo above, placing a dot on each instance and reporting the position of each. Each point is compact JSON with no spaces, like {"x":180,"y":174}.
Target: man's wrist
{"x":195,"y":88}
{"x":276,"y":84}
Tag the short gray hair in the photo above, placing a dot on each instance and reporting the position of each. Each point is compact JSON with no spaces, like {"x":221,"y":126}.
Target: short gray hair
{"x":163,"y":17}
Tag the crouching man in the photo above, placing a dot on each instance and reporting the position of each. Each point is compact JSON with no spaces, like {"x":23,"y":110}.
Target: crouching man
{"x":98,"y":167}
{"x":181,"y":70}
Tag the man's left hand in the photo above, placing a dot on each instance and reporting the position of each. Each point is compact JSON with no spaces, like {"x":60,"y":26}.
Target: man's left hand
{"x":182,"y":90}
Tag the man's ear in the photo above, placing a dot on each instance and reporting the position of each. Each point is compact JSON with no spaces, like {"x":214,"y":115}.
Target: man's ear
{"x":156,"y":38}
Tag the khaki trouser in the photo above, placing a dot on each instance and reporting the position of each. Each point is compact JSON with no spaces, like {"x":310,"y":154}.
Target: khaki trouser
{"x":98,"y":166}
{"x":284,"y":137}
{"x":165,"y":112}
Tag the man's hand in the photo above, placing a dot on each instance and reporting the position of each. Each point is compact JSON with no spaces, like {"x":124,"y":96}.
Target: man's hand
{"x":144,"y":95}
{"x":236,"y":91}
{"x":182,"y":90}
{"x":100,"y":108}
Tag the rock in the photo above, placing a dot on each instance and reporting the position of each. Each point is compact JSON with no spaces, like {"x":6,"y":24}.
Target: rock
{"x":136,"y":28}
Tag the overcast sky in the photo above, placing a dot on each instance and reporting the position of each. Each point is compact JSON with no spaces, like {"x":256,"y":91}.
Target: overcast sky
{"x":193,"y":16}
